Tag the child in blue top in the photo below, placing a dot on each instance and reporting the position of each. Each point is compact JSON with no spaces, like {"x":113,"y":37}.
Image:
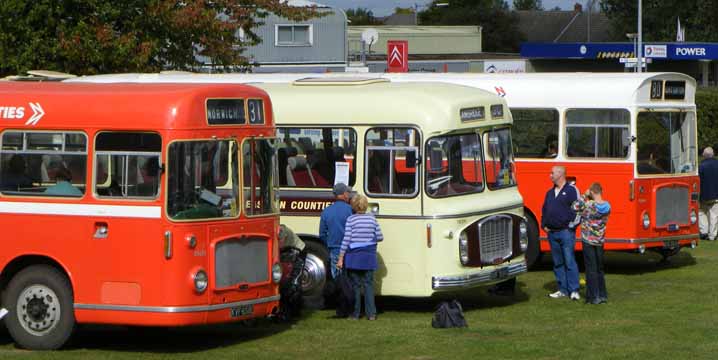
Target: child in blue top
{"x":594,"y":212}
{"x":357,"y":255}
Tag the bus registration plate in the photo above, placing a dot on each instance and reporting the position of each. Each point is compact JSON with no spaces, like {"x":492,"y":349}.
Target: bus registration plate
{"x":500,"y":274}
{"x":241,"y":310}
{"x":670,"y":244}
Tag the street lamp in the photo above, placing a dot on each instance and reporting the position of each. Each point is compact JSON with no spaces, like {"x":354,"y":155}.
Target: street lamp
{"x":633,"y":37}
{"x":640,"y":38}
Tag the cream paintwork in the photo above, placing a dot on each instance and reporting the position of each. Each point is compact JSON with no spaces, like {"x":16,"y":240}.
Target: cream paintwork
{"x":407,"y":264}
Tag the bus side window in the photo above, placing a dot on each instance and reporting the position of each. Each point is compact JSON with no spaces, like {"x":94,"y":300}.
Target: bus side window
{"x":387,"y":170}
{"x":307,"y":157}
{"x":43,"y":163}
{"x":127,"y":165}
{"x":535,"y":132}
{"x":597,"y":133}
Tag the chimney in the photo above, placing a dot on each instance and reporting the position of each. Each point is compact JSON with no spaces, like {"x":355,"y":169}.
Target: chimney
{"x":577,"y":8}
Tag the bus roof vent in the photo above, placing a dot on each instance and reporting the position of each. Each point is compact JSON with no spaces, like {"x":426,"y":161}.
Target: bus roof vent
{"x":40,"y":75}
{"x":339,"y":80}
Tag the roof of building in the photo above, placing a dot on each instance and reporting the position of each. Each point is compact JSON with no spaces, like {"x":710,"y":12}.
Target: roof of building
{"x":304,"y":3}
{"x":398,"y":19}
{"x":416,"y":30}
{"x":548,"y":26}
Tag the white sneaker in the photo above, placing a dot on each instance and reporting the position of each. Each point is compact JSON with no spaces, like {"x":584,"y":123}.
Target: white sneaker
{"x":557,"y":294}
{"x":575,"y":296}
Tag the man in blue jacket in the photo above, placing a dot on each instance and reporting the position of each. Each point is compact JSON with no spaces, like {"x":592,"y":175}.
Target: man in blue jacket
{"x":559,"y":221}
{"x":332,"y":222}
{"x":708,"y":214}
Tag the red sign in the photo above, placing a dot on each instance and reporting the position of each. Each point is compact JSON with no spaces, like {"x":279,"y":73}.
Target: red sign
{"x":397,"y":56}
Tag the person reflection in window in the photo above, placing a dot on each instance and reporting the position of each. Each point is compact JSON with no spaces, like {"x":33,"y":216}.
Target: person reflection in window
{"x":551,"y":149}
{"x":150,"y":179}
{"x":14,"y":179}
{"x":62,"y":176}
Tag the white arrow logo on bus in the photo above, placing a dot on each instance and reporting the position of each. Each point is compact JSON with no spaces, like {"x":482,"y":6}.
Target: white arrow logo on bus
{"x":37,"y":114}
{"x":396,"y":56}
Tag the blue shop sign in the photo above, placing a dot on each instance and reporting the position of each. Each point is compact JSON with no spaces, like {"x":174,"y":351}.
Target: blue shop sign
{"x":667,"y":51}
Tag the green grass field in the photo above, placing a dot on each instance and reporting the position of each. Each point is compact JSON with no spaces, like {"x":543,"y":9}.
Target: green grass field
{"x":655,"y":311}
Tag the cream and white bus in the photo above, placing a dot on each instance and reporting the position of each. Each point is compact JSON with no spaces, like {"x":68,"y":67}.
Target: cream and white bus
{"x":435,"y":161}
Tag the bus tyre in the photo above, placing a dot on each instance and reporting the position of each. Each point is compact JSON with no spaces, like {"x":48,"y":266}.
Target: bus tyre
{"x":533,"y":251}
{"x":40,"y":308}
{"x":315,"y":275}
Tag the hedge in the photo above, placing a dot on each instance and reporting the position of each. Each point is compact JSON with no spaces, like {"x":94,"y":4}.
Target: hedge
{"x":707,"y":108}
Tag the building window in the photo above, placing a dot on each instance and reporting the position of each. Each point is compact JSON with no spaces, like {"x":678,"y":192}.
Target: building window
{"x":293,"y":35}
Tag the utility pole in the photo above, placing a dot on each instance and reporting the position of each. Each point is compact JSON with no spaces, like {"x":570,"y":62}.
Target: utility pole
{"x":640,"y":37}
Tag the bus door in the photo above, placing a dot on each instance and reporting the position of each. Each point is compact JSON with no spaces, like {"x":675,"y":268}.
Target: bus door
{"x":391,"y":182}
{"x":127,"y":238}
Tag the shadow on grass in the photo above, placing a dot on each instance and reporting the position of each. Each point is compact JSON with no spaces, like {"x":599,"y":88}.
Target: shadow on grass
{"x":475,"y":299}
{"x":189,"y":339}
{"x":625,"y":263}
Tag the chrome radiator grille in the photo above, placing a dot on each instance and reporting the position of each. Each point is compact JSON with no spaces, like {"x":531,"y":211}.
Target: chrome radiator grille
{"x":241,"y":261}
{"x":495,"y":235}
{"x":672,"y":205}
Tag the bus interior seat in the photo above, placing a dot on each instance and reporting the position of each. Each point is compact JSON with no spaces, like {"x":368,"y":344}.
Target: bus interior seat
{"x":282,"y":164}
{"x":298,"y":173}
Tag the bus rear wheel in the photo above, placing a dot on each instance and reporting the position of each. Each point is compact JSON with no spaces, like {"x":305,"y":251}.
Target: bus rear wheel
{"x":40,"y":305}
{"x":314,"y":275}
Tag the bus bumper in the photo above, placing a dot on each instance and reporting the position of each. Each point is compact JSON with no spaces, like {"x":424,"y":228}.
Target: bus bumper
{"x":176,"y":315}
{"x":481,"y":277}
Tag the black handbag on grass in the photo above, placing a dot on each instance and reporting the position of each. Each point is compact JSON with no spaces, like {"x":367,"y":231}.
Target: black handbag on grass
{"x":449,"y":314}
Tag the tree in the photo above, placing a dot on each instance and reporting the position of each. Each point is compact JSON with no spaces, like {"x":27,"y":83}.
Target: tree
{"x":528,"y":5}
{"x":103,"y":36}
{"x":660,"y":18}
{"x":499,"y":25}
{"x":361,"y":16}
{"x":405,"y":11}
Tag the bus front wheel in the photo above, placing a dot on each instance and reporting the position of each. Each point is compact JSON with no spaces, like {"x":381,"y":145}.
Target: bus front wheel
{"x":314,"y":275}
{"x":40,"y":308}
{"x":533,"y":251}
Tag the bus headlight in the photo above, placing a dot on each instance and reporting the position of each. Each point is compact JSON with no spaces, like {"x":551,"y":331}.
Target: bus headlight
{"x":200,"y":281}
{"x":464,"y":248}
{"x":523,"y":236}
{"x":694,"y":217}
{"x":276,"y":272}
{"x":646,"y":221}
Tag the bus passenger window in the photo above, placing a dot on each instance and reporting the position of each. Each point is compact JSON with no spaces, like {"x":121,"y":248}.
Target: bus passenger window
{"x":535,"y":132}
{"x":43,"y":163}
{"x":597,"y":133}
{"x":127,"y":165}
{"x":307,"y":157}
{"x":391,"y":159}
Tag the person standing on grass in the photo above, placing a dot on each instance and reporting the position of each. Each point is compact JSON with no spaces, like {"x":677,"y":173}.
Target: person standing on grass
{"x":559,"y":221}
{"x":594,"y":212}
{"x":332,"y":221}
{"x":358,"y":255}
{"x":708,"y":213}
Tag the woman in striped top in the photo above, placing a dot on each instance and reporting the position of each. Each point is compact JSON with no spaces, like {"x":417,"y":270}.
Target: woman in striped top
{"x":358,"y":255}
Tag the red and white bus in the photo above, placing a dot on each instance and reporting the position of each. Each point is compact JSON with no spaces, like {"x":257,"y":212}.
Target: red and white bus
{"x":636,"y":133}
{"x":122,"y":204}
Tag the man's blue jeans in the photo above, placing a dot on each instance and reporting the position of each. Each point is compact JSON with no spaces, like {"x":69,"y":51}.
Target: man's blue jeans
{"x":564,"y":261}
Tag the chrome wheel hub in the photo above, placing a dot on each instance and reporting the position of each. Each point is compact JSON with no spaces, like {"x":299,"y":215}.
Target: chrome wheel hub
{"x":38,"y":309}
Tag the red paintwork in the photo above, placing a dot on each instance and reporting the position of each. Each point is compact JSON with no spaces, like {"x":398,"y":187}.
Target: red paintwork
{"x":625,"y":221}
{"x":132,"y":256}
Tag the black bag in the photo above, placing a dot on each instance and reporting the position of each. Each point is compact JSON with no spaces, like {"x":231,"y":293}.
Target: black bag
{"x":449,"y":314}
{"x":345,"y":294}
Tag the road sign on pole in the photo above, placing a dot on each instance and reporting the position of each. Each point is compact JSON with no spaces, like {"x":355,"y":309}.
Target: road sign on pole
{"x":397,"y":56}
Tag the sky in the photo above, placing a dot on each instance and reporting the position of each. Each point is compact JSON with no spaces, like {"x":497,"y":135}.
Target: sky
{"x":384,"y":7}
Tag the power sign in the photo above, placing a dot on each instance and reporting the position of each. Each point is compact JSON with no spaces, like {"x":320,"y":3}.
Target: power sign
{"x":21,"y":112}
{"x":397,"y":56}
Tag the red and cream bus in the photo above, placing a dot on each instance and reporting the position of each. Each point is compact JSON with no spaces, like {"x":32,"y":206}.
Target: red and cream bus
{"x":122,"y":204}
